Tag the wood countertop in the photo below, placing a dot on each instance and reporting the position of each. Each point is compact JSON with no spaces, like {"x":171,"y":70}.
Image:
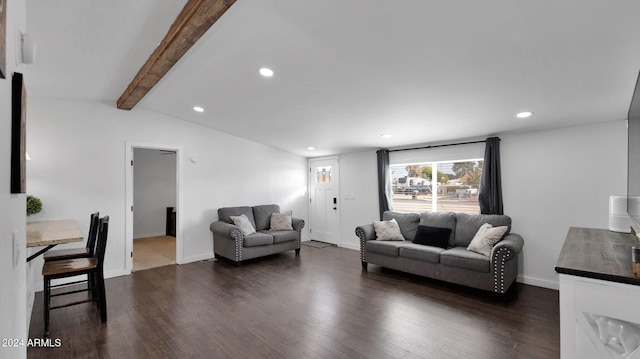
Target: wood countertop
{"x":598,"y":254}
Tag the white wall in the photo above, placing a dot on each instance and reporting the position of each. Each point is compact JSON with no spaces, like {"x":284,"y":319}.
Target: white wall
{"x":552,"y":180}
{"x":78,"y":167}
{"x":154,"y":189}
{"x":13,"y":292}
{"x":359,"y":193}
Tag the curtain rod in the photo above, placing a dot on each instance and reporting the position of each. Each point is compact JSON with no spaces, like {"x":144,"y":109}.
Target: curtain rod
{"x":435,"y":146}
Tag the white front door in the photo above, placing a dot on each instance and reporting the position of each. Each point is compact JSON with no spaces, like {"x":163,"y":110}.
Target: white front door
{"x":324,"y":206}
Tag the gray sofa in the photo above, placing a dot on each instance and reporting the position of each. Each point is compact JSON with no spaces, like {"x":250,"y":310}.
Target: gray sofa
{"x":230,"y":243}
{"x":454,"y":264}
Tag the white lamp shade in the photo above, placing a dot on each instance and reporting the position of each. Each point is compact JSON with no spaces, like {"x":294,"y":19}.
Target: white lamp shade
{"x":618,"y":218}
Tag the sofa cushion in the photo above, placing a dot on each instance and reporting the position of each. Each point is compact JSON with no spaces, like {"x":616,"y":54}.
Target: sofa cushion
{"x":440,"y":220}
{"x":486,"y":237}
{"x":387,"y":230}
{"x":468,"y":225}
{"x":432,"y":236}
{"x":387,"y":248}
{"x":281,"y":222}
{"x":262,"y":215}
{"x":282,"y":236}
{"x":225,"y":213}
{"x":460,"y":257}
{"x":243,"y":223}
{"x":408,"y":222}
{"x":421,"y":252}
{"x":257,"y":239}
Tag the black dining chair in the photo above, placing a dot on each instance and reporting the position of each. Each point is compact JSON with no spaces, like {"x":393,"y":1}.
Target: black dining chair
{"x":93,"y":267}
{"x":58,"y":254}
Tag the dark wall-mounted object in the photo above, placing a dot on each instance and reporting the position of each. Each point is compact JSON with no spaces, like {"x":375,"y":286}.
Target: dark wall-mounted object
{"x":18,"y":135}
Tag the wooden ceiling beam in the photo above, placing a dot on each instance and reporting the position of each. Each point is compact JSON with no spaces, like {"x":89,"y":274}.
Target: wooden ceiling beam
{"x":194,"y":20}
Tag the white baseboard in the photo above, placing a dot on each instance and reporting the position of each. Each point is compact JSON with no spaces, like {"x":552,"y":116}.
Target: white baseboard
{"x":116,"y":273}
{"x":146,"y":235}
{"x":201,"y":257}
{"x":544,"y":283}
{"x":355,"y":247}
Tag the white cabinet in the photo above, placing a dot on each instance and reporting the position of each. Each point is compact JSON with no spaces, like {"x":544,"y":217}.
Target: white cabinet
{"x":599,"y":296}
{"x":598,"y":318}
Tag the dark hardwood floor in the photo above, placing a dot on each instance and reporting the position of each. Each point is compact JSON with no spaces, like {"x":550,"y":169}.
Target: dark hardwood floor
{"x":318,"y":305}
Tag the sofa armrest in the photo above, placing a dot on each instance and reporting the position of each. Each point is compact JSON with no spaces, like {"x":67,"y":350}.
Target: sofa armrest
{"x":504,"y":261}
{"x":508,"y":247}
{"x":225,"y":230}
{"x":227,"y":241}
{"x":365,"y":233}
{"x":297,"y":224}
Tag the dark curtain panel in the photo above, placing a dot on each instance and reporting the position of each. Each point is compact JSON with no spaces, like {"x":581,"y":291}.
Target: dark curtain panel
{"x":384,"y":181}
{"x":490,"y":196}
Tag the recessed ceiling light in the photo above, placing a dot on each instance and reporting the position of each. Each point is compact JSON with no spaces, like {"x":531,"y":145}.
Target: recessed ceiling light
{"x":524,"y":114}
{"x":266,"y":72}
{"x":198,"y":109}
{"x":311,"y":148}
{"x":385,"y":135}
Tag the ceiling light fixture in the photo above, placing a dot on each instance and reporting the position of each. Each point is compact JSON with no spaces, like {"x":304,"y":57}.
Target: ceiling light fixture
{"x":198,"y":109}
{"x":385,"y":135}
{"x":311,"y":148}
{"x":266,"y":72}
{"x":524,"y":114}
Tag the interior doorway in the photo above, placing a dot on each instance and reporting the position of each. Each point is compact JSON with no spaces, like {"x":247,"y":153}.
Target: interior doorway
{"x":324,"y":207}
{"x":154,"y":203}
{"x":153,"y":225}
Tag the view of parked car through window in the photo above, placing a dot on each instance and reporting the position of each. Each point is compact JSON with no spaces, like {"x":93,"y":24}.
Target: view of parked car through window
{"x":454,"y":188}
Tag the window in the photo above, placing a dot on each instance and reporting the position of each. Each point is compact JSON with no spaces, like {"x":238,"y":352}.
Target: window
{"x":324,"y":175}
{"x":455,"y":186}
{"x":442,"y":186}
{"x":440,"y":178}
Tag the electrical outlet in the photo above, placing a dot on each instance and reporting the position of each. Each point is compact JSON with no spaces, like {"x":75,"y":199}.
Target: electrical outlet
{"x":15,"y":249}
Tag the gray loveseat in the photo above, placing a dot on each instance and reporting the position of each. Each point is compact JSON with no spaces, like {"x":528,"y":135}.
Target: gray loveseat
{"x":229,"y":242}
{"x":454,"y":264}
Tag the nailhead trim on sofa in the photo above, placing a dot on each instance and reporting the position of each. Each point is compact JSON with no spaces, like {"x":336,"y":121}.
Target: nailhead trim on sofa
{"x":360,"y":234}
{"x":498,"y":273}
{"x":299,"y":229}
{"x":237,"y":237}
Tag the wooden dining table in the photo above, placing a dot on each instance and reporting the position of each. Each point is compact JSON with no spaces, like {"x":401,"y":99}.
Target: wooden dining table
{"x":48,"y":234}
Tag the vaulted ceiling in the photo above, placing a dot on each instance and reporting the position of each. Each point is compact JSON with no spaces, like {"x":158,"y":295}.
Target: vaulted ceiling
{"x":348,"y":71}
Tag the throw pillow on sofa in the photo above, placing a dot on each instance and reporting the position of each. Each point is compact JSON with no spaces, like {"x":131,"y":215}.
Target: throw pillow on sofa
{"x":432,"y":236}
{"x":281,"y":221}
{"x":486,"y":238}
{"x":242,"y":221}
{"x":388,"y":230}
